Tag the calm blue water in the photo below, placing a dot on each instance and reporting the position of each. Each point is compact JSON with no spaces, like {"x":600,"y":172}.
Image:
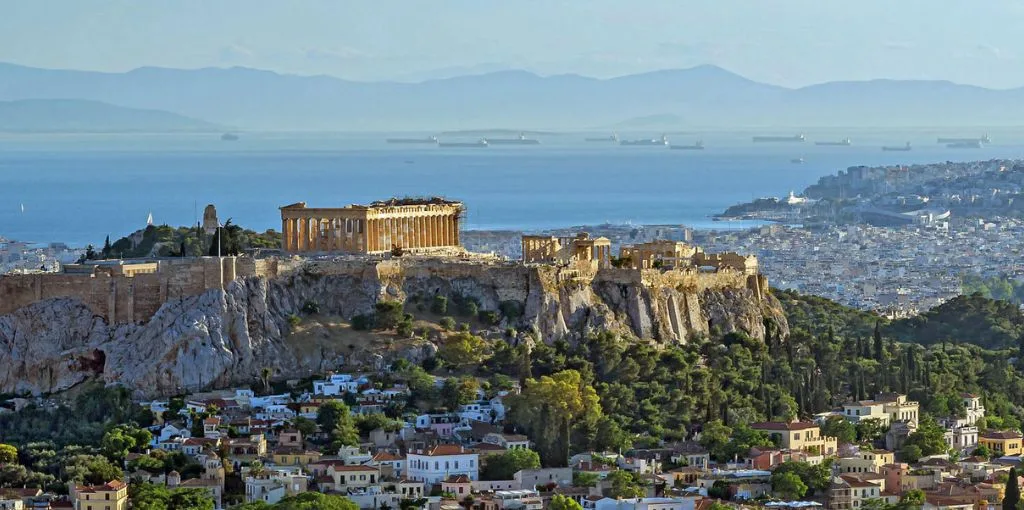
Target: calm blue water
{"x":78,"y":189}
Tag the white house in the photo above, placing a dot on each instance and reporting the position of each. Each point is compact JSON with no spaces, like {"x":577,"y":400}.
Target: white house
{"x":171,"y":430}
{"x":268,"y":490}
{"x":338,"y":384}
{"x":438,"y":463}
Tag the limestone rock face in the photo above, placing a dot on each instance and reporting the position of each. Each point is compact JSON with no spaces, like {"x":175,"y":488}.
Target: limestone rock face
{"x":228,"y":337}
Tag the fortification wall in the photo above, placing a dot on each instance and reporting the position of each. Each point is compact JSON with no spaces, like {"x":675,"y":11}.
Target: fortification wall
{"x":122,"y":299}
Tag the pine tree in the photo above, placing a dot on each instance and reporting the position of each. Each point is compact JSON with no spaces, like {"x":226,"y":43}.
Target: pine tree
{"x":106,"y":248}
{"x":1012,"y":498}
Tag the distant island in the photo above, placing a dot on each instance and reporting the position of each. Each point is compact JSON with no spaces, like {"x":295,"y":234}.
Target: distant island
{"x":83,"y":116}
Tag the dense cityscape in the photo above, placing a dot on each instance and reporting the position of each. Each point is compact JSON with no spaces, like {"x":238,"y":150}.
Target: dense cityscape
{"x":312,"y":255}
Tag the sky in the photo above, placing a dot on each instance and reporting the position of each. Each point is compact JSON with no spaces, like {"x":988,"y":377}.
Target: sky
{"x":785,"y":42}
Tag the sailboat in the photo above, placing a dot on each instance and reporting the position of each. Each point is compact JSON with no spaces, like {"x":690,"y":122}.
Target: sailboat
{"x":149,"y":220}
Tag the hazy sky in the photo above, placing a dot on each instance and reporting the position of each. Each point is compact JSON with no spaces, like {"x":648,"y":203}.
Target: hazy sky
{"x":788,"y":42}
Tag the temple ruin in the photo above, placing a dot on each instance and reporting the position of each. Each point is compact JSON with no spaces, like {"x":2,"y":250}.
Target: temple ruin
{"x":410,"y":225}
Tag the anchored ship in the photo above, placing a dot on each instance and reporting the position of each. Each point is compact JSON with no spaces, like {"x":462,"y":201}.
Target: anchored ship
{"x":844,"y":142}
{"x":973,"y":144}
{"x":613,"y":138}
{"x":429,"y":139}
{"x":647,"y":142}
{"x":794,"y":138}
{"x":982,"y":139}
{"x":520,"y":140}
{"x":894,"y":148}
{"x":229,"y":137}
{"x":479,"y":143}
{"x":699,"y":146}
{"x":796,"y":161}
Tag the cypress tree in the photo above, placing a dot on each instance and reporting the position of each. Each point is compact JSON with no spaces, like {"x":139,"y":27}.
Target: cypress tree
{"x":879,"y":349}
{"x":106,"y":248}
{"x":1012,"y":498}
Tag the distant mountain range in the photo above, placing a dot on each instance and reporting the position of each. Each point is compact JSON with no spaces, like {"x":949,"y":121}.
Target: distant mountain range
{"x":83,"y":116}
{"x":704,"y":96}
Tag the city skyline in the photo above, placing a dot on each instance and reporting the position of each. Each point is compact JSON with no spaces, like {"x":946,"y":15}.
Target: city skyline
{"x":790,"y":43}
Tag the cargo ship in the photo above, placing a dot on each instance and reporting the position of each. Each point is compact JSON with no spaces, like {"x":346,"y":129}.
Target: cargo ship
{"x":845,"y":142}
{"x":973,"y":144}
{"x":794,"y":138}
{"x":699,"y":146}
{"x":479,"y":143}
{"x":797,"y":161}
{"x":982,"y":139}
{"x":647,"y":142}
{"x":896,"y":148}
{"x":613,"y":138}
{"x":520,"y":140}
{"x":229,"y":137}
{"x":429,"y":139}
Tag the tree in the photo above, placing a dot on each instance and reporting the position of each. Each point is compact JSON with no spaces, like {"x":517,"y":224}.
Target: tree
{"x":611,"y":437}
{"x":315,"y":501}
{"x":148,"y":496}
{"x":335,"y":419}
{"x":8,"y":454}
{"x":459,"y":391}
{"x":840,"y":428}
{"x":91,"y":469}
{"x":462,"y":348}
{"x":305,"y":426}
{"x":106,"y":248}
{"x":584,"y":479}
{"x":910,"y":453}
{"x":912,"y":500}
{"x":550,"y":407}
{"x":562,"y":502}
{"x":870,"y":430}
{"x":1012,"y":497}
{"x":265,"y":374}
{"x":714,"y":438}
{"x":788,"y":485}
{"x":625,"y":485}
{"x":929,"y":437}
{"x":505,"y":466}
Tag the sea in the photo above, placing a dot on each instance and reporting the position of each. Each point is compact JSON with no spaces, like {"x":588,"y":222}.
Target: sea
{"x":78,"y":189}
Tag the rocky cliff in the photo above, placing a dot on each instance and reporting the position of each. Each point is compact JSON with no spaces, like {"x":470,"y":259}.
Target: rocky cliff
{"x":220,"y":338}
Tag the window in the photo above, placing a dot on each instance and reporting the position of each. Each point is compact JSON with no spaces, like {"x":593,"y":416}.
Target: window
{"x":796,"y":436}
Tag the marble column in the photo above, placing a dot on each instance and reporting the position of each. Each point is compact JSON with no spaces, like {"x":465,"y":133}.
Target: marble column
{"x":456,"y":237}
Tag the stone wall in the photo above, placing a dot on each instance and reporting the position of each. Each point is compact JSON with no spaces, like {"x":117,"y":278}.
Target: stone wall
{"x":123,"y":299}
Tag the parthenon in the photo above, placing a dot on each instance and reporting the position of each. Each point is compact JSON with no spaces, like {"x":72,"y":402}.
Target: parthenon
{"x":409,"y":224}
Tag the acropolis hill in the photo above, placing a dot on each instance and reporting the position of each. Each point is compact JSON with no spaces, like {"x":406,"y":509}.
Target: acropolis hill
{"x":159,"y":326}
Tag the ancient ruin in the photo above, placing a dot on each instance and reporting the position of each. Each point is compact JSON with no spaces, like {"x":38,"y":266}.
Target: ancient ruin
{"x":583,"y":252}
{"x":409,"y":224}
{"x":553,"y":250}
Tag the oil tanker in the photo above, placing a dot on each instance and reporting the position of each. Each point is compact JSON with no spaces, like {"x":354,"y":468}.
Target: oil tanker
{"x":794,"y":138}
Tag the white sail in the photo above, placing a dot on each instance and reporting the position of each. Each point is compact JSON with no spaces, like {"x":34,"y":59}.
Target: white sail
{"x":149,"y":220}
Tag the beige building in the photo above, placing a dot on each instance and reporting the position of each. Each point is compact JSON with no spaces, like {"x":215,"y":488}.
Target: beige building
{"x":409,"y":224}
{"x":798,"y":435}
{"x":865,"y":461}
{"x":886,"y":407}
{"x":112,"y":495}
{"x":567,"y":250}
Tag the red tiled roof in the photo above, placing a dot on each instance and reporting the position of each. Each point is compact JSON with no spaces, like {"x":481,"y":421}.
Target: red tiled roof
{"x":458,"y":479}
{"x":1005,"y":434}
{"x":781,"y":425}
{"x":384,"y":456}
{"x":113,"y":485}
{"x":444,"y":450}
